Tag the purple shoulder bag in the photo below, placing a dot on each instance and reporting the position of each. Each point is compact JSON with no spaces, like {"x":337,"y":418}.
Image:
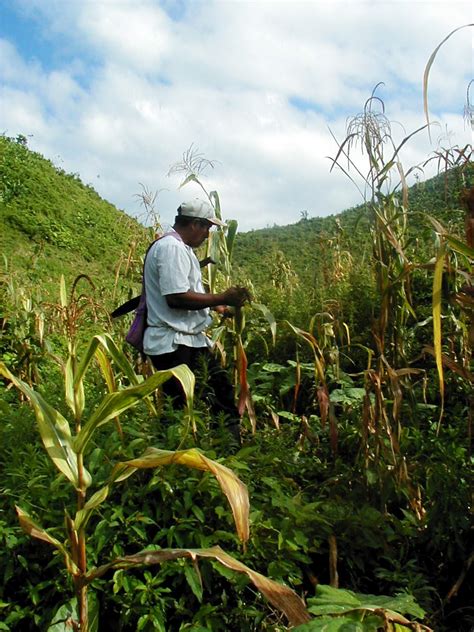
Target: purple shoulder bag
{"x":136,"y":332}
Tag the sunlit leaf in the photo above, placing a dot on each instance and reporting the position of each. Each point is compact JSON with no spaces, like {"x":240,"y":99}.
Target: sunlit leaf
{"x":120,"y":359}
{"x":270,"y":318}
{"x":349,"y":606}
{"x":437,"y":285}
{"x":460,"y":246}
{"x":74,"y":389}
{"x":114,"y":404}
{"x":358,"y":621}
{"x":97,"y":347}
{"x":54,"y":431}
{"x":231,"y":485}
{"x":83,"y":515}
{"x":106,"y":369}
{"x":63,"y":292}
{"x":69,"y":384}
{"x":280,"y":596}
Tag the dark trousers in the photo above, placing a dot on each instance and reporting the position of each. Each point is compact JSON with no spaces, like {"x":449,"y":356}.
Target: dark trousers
{"x":216,"y":387}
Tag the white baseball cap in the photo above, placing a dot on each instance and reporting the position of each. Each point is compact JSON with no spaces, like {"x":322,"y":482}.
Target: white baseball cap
{"x":200,"y":210}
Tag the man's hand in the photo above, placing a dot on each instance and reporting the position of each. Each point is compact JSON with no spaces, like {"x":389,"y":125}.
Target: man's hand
{"x":224,"y":311}
{"x":236,"y":296}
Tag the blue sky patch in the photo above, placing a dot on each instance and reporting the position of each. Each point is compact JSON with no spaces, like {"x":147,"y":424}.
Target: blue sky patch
{"x":34,"y":43}
{"x":305,"y":105}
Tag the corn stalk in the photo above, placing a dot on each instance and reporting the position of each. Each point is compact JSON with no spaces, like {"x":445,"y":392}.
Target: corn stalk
{"x":219,"y":249}
{"x":387,"y":212}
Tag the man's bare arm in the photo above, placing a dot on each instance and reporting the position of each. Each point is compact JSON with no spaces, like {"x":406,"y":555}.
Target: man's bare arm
{"x":234,"y":296}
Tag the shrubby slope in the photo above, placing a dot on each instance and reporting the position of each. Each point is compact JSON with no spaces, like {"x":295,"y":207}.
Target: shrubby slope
{"x":54,"y":224}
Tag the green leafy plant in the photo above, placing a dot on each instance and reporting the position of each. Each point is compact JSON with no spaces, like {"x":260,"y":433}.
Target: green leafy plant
{"x":337,"y":610}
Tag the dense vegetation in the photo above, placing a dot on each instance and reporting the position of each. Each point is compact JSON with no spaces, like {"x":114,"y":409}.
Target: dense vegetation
{"x":356,"y":480}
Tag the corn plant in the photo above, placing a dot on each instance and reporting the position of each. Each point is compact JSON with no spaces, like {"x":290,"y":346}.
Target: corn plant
{"x":67,"y":442}
{"x":450,"y":249}
{"x":370,"y":131}
{"x":219,"y":250}
{"x":322,"y":392}
{"x":221,"y":241}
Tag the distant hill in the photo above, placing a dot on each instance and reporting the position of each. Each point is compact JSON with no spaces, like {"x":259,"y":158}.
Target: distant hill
{"x":51,"y":223}
{"x":306,"y":244}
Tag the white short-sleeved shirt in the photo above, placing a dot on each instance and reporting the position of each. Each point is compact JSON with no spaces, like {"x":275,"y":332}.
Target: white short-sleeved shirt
{"x":171,"y":267}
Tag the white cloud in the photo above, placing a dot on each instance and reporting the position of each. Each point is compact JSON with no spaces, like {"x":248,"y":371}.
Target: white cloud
{"x":139,"y":85}
{"x":136,"y":35}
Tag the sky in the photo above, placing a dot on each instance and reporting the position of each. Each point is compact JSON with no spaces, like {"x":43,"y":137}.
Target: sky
{"x":118,"y":91}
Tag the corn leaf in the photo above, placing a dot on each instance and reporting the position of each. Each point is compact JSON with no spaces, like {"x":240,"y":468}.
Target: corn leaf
{"x":106,"y":369}
{"x":216,"y":203}
{"x":187,"y":180}
{"x":114,"y":404}
{"x":231,"y":485}
{"x":270,"y":318}
{"x":454,"y":366}
{"x":426,"y":74}
{"x":69,"y":384}
{"x":63,"y":292}
{"x":244,"y":389}
{"x":120,"y":359}
{"x":34,"y":530}
{"x":213,"y":252}
{"x":460,"y":246}
{"x":74,"y":389}
{"x":105,"y":343}
{"x":311,"y":340}
{"x":280,"y":596}
{"x":437,"y":283}
{"x":232,"y":226}
{"x":54,"y":430}
{"x":83,"y":515}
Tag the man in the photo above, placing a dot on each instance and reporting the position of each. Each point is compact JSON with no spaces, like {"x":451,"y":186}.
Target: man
{"x":178,"y":307}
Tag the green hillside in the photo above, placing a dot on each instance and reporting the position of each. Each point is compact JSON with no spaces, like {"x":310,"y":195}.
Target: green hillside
{"x":53,"y":224}
{"x":327,"y":265}
{"x":307,"y":243}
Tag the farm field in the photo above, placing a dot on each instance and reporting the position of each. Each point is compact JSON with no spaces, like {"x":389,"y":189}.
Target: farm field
{"x":353,"y":369}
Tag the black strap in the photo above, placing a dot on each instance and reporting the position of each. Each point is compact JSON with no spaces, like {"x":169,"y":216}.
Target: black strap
{"x":133,"y":303}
